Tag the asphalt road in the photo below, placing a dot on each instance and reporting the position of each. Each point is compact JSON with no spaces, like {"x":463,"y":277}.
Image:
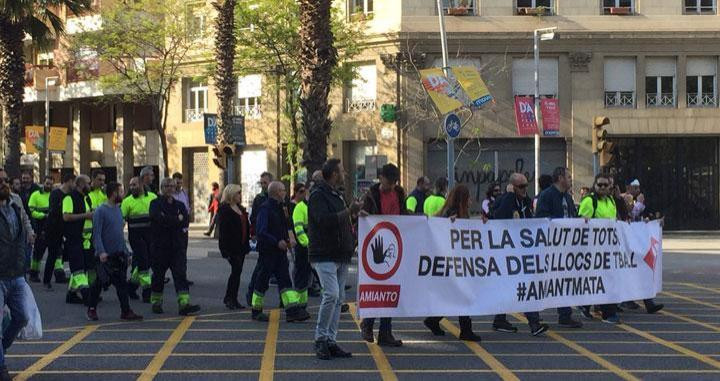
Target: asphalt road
{"x":682,"y":342}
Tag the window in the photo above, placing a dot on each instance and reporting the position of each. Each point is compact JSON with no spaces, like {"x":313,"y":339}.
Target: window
{"x":459,"y":7}
{"x":360,"y":9}
{"x":701,"y":82}
{"x":248,"y":96}
{"x":660,"y":86}
{"x":45,"y":59}
{"x":534,"y":7}
{"x":618,"y":7}
{"x":702,"y":7}
{"x":196,"y":100}
{"x":196,"y":21}
{"x":524,"y":77}
{"x":362,"y":91}
{"x":620,"y":82}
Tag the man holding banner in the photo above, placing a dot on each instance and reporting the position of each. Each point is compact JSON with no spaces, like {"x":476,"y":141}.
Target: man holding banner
{"x":513,"y":206}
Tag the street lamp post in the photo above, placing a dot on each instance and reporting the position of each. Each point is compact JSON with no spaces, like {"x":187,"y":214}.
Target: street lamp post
{"x":543,"y":34}
{"x":49,"y":81}
{"x":446,"y":69}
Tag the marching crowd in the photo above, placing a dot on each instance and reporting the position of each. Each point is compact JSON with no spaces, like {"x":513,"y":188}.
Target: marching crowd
{"x":82,"y":222}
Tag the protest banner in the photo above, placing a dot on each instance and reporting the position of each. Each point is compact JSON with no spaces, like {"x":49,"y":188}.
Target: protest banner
{"x":58,"y":139}
{"x":473,"y":84}
{"x":446,"y":93}
{"x":34,"y":139}
{"x":413,"y":266}
{"x":550,"y":111}
{"x":525,"y":116}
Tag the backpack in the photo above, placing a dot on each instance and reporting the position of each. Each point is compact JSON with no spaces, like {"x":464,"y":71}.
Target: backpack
{"x":595,"y":202}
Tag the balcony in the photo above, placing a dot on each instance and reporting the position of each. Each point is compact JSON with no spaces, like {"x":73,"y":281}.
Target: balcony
{"x":249,"y":112}
{"x":620,"y":99}
{"x":537,"y":11}
{"x":35,"y":75}
{"x":618,"y":11}
{"x":194,"y":114}
{"x":83,"y":70}
{"x":359,"y":105}
{"x":661,"y":100}
{"x":701,"y":100}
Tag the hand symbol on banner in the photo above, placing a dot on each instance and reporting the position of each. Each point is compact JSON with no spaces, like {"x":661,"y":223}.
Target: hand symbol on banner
{"x":380,"y":255}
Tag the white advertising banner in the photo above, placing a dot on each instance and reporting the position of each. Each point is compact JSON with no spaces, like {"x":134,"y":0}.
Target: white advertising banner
{"x":414,"y":266}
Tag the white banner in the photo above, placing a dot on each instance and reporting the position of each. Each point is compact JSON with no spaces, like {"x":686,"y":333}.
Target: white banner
{"x":414,"y":266}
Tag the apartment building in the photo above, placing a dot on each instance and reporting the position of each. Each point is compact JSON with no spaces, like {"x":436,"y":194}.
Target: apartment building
{"x":649,"y":65}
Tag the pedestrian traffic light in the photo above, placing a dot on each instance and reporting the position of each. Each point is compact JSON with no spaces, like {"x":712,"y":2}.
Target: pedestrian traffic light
{"x":220,"y":160}
{"x":607,"y":155}
{"x":599,"y":134}
{"x":228,"y":149}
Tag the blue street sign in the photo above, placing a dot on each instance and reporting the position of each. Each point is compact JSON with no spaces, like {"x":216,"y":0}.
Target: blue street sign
{"x":452,"y":125}
{"x":210,"y":126}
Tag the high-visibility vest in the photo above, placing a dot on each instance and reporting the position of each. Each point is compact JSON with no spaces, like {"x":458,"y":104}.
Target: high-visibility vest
{"x":300,"y":223}
{"x":39,"y":204}
{"x":136,"y":210}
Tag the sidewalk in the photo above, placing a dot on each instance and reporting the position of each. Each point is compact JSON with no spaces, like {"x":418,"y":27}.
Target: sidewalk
{"x":692,"y":242}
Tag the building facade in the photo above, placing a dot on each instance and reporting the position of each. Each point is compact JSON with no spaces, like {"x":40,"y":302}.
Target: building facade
{"x":649,"y":66}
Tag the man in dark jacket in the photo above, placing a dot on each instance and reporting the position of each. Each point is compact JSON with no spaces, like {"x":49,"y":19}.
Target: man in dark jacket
{"x":515,"y":205}
{"x":168,"y":218}
{"x":384,"y":198}
{"x":265,"y":179}
{"x":415,"y":202}
{"x":273,"y":244}
{"x":13,"y":287}
{"x":54,"y":232}
{"x":556,"y":202}
{"x":332,"y":244}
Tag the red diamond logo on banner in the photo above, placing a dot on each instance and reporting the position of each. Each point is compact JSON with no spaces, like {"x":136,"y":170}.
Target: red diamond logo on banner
{"x":651,"y":257}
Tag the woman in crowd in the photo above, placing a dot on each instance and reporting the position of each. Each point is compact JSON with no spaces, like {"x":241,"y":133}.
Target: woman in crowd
{"x":493,"y":192}
{"x":457,"y":206}
{"x":234,"y":227}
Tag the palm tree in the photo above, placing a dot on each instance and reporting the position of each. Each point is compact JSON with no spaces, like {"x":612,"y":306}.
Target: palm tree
{"x":318,"y":57}
{"x":39,"y":19}
{"x":224,"y":73}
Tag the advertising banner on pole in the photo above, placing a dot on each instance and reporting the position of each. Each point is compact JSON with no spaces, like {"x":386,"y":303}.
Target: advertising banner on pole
{"x":58,"y":139}
{"x":550,"y":111}
{"x":473,"y":84}
{"x":446,"y":94}
{"x":414,"y":266}
{"x":525,"y":116}
{"x":34,"y":139}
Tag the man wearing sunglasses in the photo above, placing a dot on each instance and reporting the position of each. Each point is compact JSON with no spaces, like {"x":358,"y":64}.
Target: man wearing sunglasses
{"x":513,"y":205}
{"x":600,"y":204}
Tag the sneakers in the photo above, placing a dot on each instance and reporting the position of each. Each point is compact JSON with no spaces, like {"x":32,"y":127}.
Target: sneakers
{"x":631,"y":305}
{"x":233,"y":304}
{"x":34,"y":277}
{"x":206,"y":234}
{"x":386,"y":339}
{"x":188,"y":309}
{"x":655,"y":308}
{"x":322,"y":350}
{"x":92,"y":314}
{"x":504,"y":326}
{"x":537,"y":329}
{"x":337,"y":352}
{"x":296,"y":314}
{"x":434,"y":327}
{"x":73,"y":298}
{"x":585,"y":312}
{"x":344,"y":308}
{"x":469,"y":336}
{"x":367,"y":332}
{"x":157,"y":309}
{"x":146,"y":295}
{"x":259,"y":316}
{"x":569,"y":322}
{"x":132,"y":316}
{"x":614,"y":319}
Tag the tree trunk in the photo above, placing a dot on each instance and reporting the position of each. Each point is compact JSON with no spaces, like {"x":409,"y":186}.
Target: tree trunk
{"x":159,"y":120}
{"x":317,"y":57}
{"x":12,"y":76}
{"x":225,"y":82}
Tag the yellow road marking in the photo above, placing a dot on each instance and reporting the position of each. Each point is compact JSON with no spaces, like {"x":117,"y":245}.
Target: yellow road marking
{"x":691,"y":300}
{"x":690,"y":320}
{"x":381,"y":361}
{"x":699,"y":287}
{"x":485,"y":356}
{"x":57,"y":352}
{"x":267,"y":366}
{"x":330,"y":371}
{"x":585,"y":352}
{"x":672,"y":345}
{"x":162,"y":355}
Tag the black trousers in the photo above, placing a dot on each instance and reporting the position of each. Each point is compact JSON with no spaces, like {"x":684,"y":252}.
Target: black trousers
{"x":175,"y":260}
{"x":465,"y":322}
{"x":55,"y":251}
{"x":111,"y":272}
{"x":385,"y":324}
{"x":40,"y":245}
{"x":302,"y":271}
{"x":273,"y":264}
{"x":140,"y":240}
{"x":233,"y":283}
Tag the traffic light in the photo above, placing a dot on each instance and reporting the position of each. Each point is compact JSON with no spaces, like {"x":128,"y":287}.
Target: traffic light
{"x":228,"y":150}
{"x":220,"y":160}
{"x":607,"y":154}
{"x":600,"y":144}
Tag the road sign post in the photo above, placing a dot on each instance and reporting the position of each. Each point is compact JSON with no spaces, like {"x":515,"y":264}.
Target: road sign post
{"x":452,"y":125}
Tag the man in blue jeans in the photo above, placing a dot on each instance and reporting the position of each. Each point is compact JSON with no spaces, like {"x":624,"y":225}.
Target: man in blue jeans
{"x":331,"y":246}
{"x":13,"y":238}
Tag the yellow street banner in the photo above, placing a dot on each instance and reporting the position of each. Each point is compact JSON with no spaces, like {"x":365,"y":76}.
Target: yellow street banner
{"x":473,"y":84}
{"x":443,"y":93}
{"x":34,"y":139}
{"x":58,"y":138}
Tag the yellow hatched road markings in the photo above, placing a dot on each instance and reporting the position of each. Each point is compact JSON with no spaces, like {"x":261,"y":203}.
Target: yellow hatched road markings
{"x":267,"y":365}
{"x":381,"y":361}
{"x":691,"y":300}
{"x":699,"y":287}
{"x":164,"y":353}
{"x":485,"y":356}
{"x":57,"y":352}
{"x":690,"y":320}
{"x":624,"y":374}
{"x":672,"y":345}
